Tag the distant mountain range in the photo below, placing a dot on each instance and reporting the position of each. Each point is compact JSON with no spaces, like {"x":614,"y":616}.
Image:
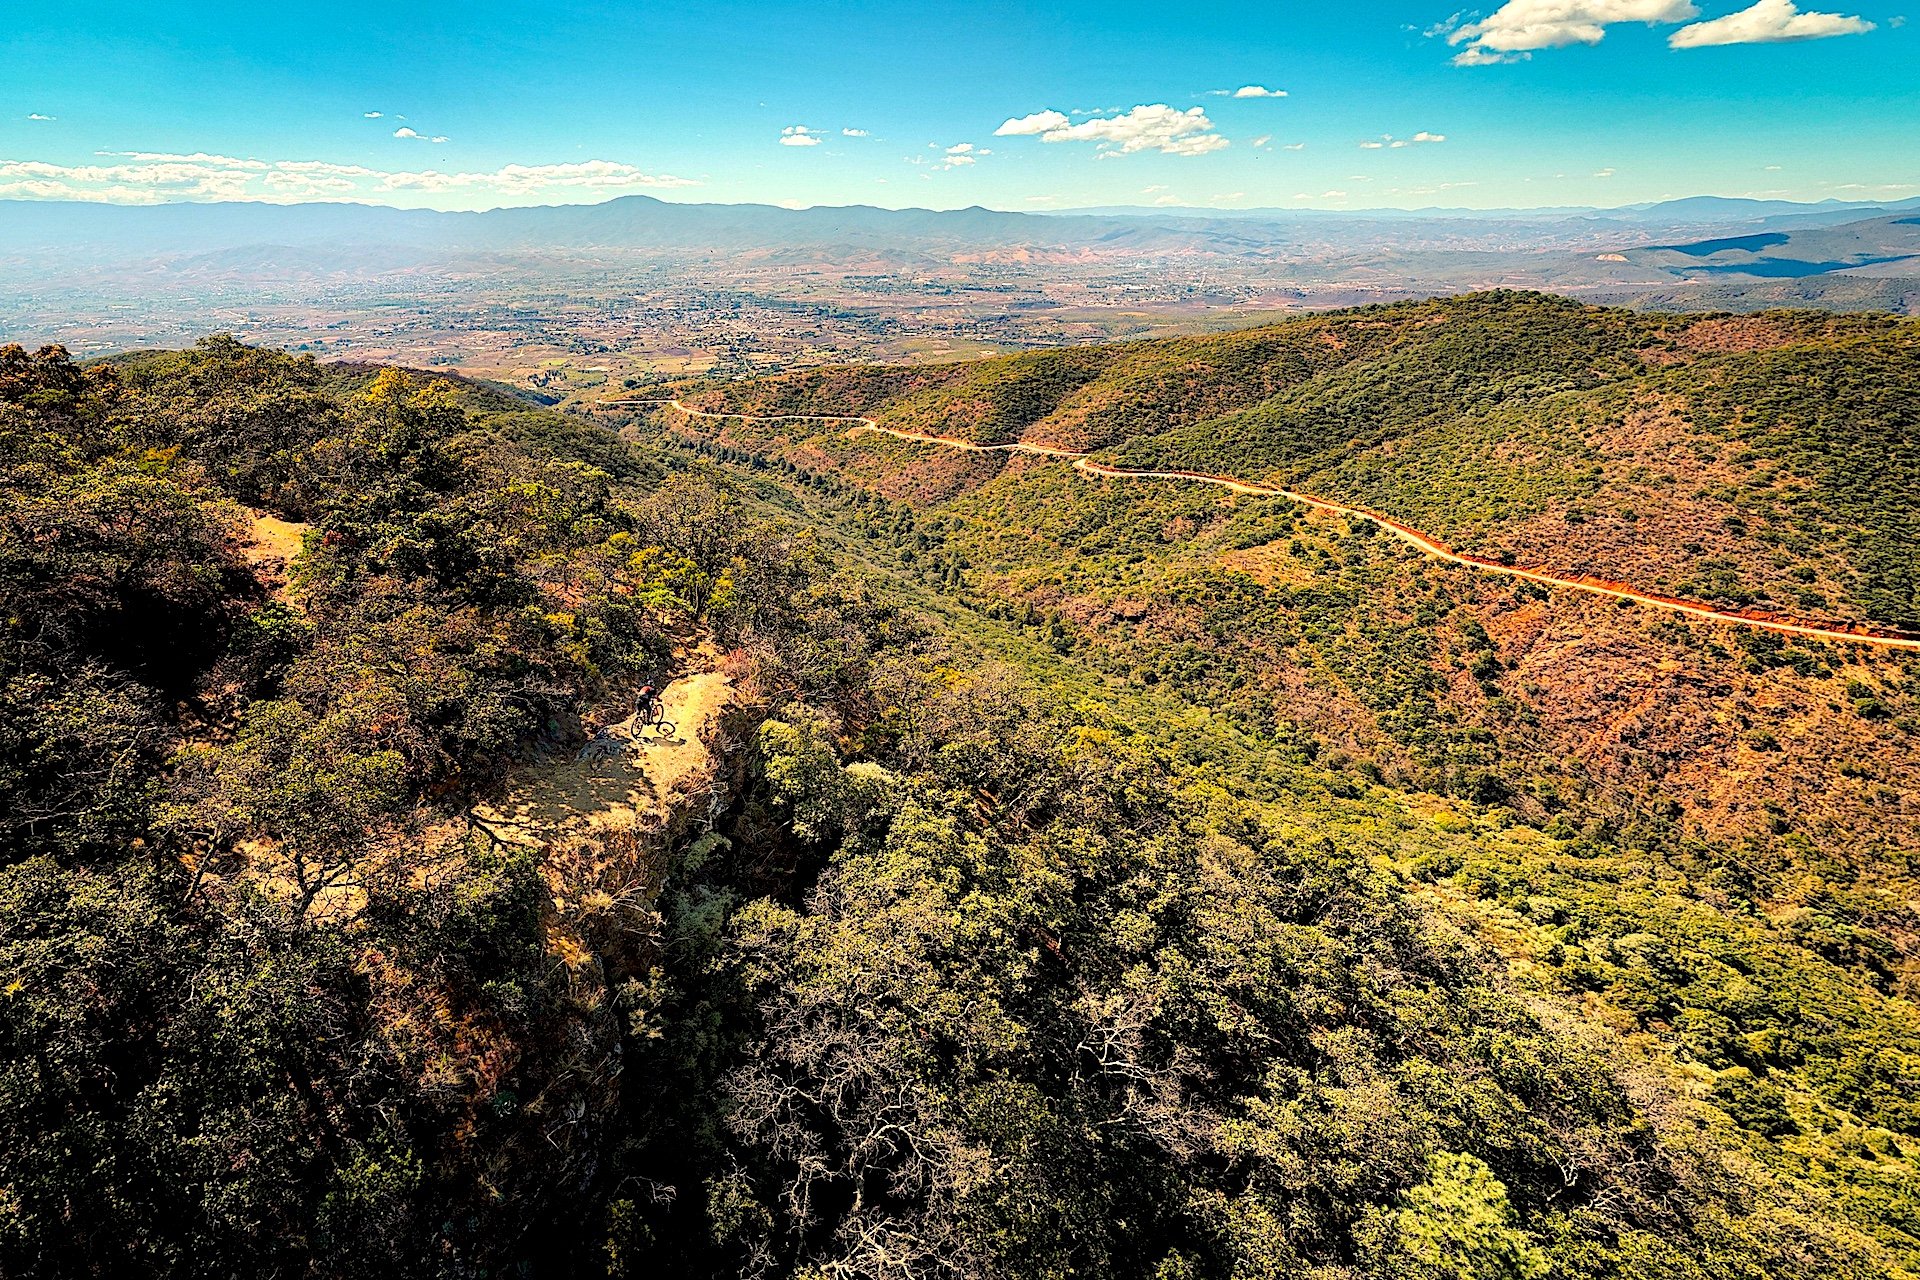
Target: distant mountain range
{"x":1687,"y":208}
{"x":646,"y":223}
{"x":1702,"y":250}
{"x":1876,"y":246}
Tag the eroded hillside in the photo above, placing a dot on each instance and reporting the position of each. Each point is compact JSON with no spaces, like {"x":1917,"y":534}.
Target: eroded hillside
{"x":1748,"y":461}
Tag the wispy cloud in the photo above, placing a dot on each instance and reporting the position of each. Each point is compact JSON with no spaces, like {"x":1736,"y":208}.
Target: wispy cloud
{"x":371,"y":115}
{"x":798,"y":135}
{"x":853,"y":133}
{"x":1768,"y":22}
{"x":1434,"y":190}
{"x":1248,"y":91}
{"x":1387,"y":140}
{"x":413,"y":135}
{"x":197,"y":157}
{"x":155,"y":177}
{"x":960,"y":155}
{"x":35,"y":115}
{"x":1155,"y":127}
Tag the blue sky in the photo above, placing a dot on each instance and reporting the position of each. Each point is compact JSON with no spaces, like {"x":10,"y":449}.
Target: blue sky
{"x":942,"y":104}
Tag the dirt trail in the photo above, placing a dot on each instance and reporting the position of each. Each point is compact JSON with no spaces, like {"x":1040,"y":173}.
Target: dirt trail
{"x":1413,"y":537}
{"x":272,"y":544}
{"x":567,"y":794}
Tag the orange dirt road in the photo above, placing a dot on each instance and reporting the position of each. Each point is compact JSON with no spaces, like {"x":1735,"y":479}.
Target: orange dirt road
{"x":1411,"y":536}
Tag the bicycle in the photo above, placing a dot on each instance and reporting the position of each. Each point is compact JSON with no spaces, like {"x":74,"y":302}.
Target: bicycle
{"x":652,"y":715}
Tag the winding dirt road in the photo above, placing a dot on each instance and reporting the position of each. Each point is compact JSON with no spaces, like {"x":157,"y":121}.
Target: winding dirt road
{"x":1411,"y":536}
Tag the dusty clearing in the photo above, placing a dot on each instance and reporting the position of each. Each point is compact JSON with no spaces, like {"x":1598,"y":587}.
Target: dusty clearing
{"x":271,"y":545}
{"x":564,"y":795}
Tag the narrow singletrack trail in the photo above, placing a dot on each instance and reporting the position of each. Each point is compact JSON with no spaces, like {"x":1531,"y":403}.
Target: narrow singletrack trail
{"x":1421,"y":542}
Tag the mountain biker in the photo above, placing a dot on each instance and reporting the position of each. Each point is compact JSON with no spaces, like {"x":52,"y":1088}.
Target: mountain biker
{"x":646,"y":705}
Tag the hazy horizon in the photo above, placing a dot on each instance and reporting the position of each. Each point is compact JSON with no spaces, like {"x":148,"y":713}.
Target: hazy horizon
{"x":1353,"y":211}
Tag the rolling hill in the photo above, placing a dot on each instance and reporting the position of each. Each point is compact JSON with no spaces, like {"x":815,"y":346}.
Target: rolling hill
{"x":1764,"y":460}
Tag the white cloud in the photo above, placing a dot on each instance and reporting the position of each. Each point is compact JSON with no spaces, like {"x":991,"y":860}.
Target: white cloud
{"x":1604,"y":173}
{"x":324,"y":167}
{"x":527,"y":179}
{"x":307,"y":186}
{"x":1261,"y":141}
{"x":1293,"y":146}
{"x":1258,"y":91}
{"x":853,"y":133}
{"x":198,"y":157}
{"x":1434,"y":190}
{"x":371,"y":115}
{"x":1040,"y":122}
{"x":798,"y":135}
{"x":144,"y":182}
{"x":152,"y":177}
{"x":1387,"y":140}
{"x":407,"y":131}
{"x":1767,"y":22}
{"x":1156,"y":127}
{"x":35,"y":115}
{"x":960,"y":155}
{"x":1518,"y":27}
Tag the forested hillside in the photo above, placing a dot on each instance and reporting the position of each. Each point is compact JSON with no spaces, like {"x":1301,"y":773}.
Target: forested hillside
{"x":1767,"y":460}
{"x":1090,"y":878}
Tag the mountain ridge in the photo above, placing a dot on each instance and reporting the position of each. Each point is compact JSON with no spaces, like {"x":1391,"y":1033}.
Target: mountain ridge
{"x":1352,"y":405}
